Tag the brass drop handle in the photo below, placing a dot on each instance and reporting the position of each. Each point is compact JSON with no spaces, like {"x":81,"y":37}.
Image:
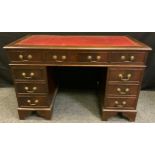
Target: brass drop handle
{"x":98,"y":58}
{"x":120,"y":104}
{"x":124,"y":59}
{"x":30,"y":91}
{"x":123,"y":92}
{"x":63,"y":58}
{"x":121,"y":76}
{"x":28,"y":77}
{"x":32,"y":104}
{"x":21,"y":57}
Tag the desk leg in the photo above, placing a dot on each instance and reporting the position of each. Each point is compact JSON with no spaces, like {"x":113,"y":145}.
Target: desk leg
{"x":130,"y":115}
{"x":23,"y":113}
{"x":107,"y":114}
{"x":45,"y":113}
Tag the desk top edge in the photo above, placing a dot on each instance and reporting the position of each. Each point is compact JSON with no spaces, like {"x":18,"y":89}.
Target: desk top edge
{"x":141,"y":46}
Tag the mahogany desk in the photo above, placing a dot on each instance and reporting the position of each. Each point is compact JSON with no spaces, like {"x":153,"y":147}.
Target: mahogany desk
{"x":31,"y":56}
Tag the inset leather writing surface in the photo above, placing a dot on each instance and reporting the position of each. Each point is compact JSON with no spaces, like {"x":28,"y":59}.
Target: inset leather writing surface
{"x":85,"y":41}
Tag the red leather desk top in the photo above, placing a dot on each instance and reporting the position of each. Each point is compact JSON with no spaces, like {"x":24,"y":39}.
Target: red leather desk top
{"x":78,"y":41}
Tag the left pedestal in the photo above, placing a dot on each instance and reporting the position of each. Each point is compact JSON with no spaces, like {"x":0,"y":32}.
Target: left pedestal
{"x":35,"y":91}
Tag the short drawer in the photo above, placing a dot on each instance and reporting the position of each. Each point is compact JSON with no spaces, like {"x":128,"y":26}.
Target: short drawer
{"x":31,"y":88}
{"x":33,"y":101}
{"x":29,"y":73}
{"x":125,"y":74}
{"x":122,"y":90}
{"x":58,"y":57}
{"x":128,"y":57}
{"x":121,"y":103}
{"x":95,"y":57}
{"x":25,"y":56}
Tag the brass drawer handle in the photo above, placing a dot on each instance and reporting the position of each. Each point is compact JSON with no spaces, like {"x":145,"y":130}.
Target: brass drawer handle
{"x":124,"y":59}
{"x":55,"y":57}
{"x":120,"y":104}
{"x":32,"y":91}
{"x":32,"y":104}
{"x":98,"y":58}
{"x":21,"y":57}
{"x":123,"y":92}
{"x":121,"y":76}
{"x":63,"y":57}
{"x":28,"y":77}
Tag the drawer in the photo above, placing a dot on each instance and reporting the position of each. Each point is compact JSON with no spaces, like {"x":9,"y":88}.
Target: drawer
{"x":31,"y":88}
{"x":89,"y":57}
{"x":123,"y":90}
{"x":121,"y":103}
{"x":125,"y":74}
{"x":128,"y":57}
{"x":25,"y":56}
{"x":23,"y":73}
{"x":33,"y":101}
{"x":58,"y":57}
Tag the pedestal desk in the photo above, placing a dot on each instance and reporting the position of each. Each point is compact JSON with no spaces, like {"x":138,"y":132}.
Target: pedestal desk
{"x":36,"y":86}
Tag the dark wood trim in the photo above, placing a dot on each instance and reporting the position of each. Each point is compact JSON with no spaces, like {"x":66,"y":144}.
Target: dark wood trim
{"x":79,"y":65}
{"x":139,"y":42}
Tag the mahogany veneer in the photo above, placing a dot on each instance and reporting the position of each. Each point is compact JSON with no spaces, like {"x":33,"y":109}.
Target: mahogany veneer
{"x":36,"y":87}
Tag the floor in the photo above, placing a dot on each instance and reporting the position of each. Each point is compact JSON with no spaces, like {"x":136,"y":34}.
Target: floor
{"x":74,"y":107}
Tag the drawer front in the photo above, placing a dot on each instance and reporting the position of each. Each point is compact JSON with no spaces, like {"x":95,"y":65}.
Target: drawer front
{"x":31,"y":88}
{"x":25,"y":57}
{"x":121,"y":103}
{"x":92,"y":57}
{"x":122,"y":90}
{"x":128,"y":57}
{"x":33,"y":101}
{"x":29,"y":73}
{"x":58,"y":57}
{"x":125,"y":74}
